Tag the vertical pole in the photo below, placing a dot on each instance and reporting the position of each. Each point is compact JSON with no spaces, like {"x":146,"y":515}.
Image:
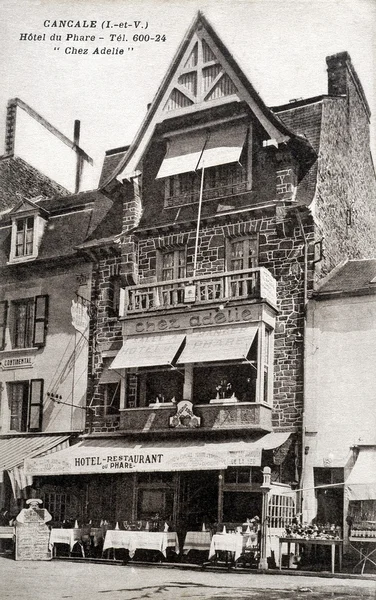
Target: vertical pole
{"x":198,"y":222}
{"x":265,"y":488}
{"x":76,"y":140}
{"x":220,"y":496}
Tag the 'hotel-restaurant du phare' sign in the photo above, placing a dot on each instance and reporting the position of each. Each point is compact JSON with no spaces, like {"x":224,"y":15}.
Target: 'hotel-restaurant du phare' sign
{"x":84,"y":460}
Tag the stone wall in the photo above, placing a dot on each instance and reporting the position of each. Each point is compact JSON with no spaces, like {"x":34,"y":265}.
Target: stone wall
{"x":283,"y":256}
{"x":345,"y":203}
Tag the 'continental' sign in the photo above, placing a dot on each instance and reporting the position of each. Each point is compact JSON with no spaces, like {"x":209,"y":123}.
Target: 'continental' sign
{"x":85,"y":460}
{"x":22,"y":362}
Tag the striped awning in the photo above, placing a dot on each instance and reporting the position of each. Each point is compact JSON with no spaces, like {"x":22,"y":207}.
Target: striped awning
{"x":227,"y":343}
{"x":14,"y":450}
{"x":104,"y":455}
{"x":193,"y":151}
{"x":148,"y":351}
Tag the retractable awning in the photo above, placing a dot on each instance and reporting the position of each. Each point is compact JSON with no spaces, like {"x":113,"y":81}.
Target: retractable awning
{"x":183,"y":154}
{"x":126,"y":456}
{"x":224,"y":146}
{"x":227,"y":343}
{"x":13,"y":452}
{"x":148,"y":351}
{"x":361,"y":483}
{"x":200,"y":149}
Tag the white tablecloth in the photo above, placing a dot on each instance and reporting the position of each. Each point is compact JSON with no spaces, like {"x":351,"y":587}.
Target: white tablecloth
{"x":197,"y":540}
{"x":146,"y":540}
{"x":232,"y":542}
{"x":64,"y":536}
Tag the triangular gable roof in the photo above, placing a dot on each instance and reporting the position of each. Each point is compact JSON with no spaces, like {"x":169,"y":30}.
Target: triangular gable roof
{"x":201,"y":74}
{"x":27,"y":205}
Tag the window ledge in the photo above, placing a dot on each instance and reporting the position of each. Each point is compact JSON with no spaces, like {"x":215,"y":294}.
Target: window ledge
{"x":21,"y":259}
{"x":233,"y":400}
{"x":19,"y":350}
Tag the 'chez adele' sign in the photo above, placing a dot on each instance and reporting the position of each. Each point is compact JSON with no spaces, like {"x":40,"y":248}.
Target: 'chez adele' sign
{"x":183,"y":321}
{"x":84,"y":460}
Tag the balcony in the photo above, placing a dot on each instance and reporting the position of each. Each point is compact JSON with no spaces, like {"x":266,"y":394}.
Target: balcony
{"x":221,"y":191}
{"x":251,"y":416}
{"x":249,"y":284}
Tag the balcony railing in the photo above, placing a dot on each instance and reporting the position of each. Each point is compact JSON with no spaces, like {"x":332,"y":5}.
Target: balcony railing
{"x":222,"y":191}
{"x":207,"y":289}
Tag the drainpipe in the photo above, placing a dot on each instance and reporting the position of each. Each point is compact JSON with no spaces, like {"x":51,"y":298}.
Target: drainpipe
{"x":305,"y":301}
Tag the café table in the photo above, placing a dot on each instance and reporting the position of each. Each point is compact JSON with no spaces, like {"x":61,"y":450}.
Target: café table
{"x":332,"y":542}
{"x":197,"y":540}
{"x":236,"y":543}
{"x":365,"y":547}
{"x":137,"y":540}
{"x":66,"y":536}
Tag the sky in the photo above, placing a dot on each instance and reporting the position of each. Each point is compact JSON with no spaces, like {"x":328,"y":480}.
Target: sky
{"x":281,"y":45}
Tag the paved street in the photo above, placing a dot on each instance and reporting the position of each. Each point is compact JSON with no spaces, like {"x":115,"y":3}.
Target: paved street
{"x":87,"y":581}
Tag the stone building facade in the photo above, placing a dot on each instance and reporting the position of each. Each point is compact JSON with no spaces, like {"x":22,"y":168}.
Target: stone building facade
{"x":226,"y":215}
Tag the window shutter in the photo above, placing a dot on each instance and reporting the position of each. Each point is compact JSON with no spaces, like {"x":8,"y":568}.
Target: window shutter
{"x":35,"y":405}
{"x":40,"y":320}
{"x":3,"y":322}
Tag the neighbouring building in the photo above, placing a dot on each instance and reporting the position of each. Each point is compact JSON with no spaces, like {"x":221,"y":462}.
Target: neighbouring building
{"x":232,"y":212}
{"x":44,"y":301}
{"x":340,"y":416}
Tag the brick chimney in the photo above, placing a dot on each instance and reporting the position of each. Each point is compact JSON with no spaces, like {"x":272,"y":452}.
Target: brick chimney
{"x":341,"y":74}
{"x":10,"y":126}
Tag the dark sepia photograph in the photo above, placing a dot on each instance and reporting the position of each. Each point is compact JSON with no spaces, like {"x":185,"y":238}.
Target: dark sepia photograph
{"x":187,"y":300}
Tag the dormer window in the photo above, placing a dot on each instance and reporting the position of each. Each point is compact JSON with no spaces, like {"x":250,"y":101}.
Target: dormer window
{"x":224,"y":153}
{"x":28,"y":223}
{"x":24,"y":237}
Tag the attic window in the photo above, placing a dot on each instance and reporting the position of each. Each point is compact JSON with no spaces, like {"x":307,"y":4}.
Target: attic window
{"x":24,"y":237}
{"x":27,"y":231}
{"x":224,"y":153}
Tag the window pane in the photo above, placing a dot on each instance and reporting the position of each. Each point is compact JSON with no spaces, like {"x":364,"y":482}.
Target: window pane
{"x":34,"y":417}
{"x":36,"y":391}
{"x":18,"y":406}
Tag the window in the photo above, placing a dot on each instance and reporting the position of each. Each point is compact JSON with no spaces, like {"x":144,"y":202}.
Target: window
{"x":220,"y":181}
{"x":24,"y":237}
{"x":114,"y":296}
{"x":112,"y":398}
{"x":242,"y":254}
{"x":26,"y":405}
{"x":29,"y":321}
{"x":60,"y":505}
{"x":224,"y":382}
{"x":173,"y":265}
{"x":148,"y":387}
{"x":3,"y":322}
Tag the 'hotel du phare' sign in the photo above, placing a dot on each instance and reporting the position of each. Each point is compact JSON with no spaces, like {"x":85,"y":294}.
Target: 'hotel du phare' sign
{"x":85,"y":460}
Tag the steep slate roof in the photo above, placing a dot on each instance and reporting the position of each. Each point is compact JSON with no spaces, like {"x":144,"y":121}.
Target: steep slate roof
{"x":71,"y":221}
{"x":270,"y":121}
{"x":111,"y":161}
{"x":305,"y":118}
{"x":352,"y":277}
{"x":20,"y":180}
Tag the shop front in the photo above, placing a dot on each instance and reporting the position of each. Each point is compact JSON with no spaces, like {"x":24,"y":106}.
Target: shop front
{"x":178,"y":486}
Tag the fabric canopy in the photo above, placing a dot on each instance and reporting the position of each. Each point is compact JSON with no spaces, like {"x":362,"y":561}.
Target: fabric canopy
{"x":200,"y":149}
{"x":361,"y":483}
{"x":224,"y":146}
{"x":227,"y":343}
{"x":14,"y":450}
{"x":127,"y":456}
{"x":183,"y":154}
{"x":148,"y":351}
